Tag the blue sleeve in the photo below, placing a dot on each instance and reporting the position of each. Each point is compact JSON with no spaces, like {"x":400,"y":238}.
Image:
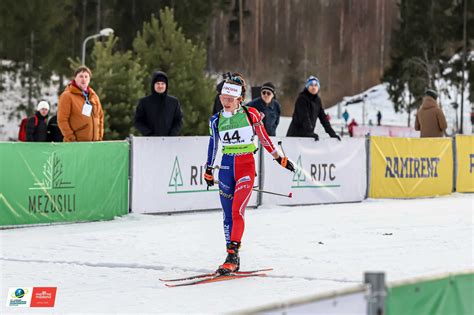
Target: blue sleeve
{"x":213,"y":140}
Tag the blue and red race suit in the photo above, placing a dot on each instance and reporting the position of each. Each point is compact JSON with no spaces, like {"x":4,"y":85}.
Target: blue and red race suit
{"x":237,"y":169}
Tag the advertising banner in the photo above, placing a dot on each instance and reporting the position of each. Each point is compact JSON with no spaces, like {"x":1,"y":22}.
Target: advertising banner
{"x":465,"y":163}
{"x":62,"y":182}
{"x":327,"y":171}
{"x":449,"y":295}
{"x":409,"y":167}
{"x":389,"y":131}
{"x":168,"y":175}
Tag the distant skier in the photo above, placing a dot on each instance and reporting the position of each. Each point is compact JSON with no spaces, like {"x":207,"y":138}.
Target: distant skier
{"x":236,"y":125}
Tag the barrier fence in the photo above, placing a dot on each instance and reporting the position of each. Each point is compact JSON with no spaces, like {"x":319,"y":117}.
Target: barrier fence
{"x":62,"y":182}
{"x":409,"y":167}
{"x":69,"y":182}
{"x":442,"y":294}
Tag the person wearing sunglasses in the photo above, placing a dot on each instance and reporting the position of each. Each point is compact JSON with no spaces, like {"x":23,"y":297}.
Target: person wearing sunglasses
{"x":308,"y":108}
{"x":269,"y":107}
{"x":235,"y":126}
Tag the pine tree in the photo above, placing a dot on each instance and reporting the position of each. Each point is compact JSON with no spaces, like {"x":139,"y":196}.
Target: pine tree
{"x":161,"y":45}
{"x":420,"y":48}
{"x":117,"y":78}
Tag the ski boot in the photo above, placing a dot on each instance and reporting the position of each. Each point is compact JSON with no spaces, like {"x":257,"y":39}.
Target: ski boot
{"x":232,"y":262}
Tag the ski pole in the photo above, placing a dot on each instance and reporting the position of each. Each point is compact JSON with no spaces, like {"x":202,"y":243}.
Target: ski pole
{"x":290,"y":195}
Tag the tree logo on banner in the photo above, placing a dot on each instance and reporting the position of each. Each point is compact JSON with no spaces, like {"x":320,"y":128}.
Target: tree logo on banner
{"x":176,"y":179}
{"x":53,"y":175}
{"x":299,"y":175}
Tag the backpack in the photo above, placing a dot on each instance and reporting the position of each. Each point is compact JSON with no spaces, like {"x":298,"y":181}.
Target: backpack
{"x":22,"y":131}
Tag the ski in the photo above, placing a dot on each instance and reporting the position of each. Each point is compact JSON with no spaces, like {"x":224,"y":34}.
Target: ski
{"x":215,"y":279}
{"x":213,"y":274}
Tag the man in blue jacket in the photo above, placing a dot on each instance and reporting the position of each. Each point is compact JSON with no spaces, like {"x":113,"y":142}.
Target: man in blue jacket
{"x":159,"y":114}
{"x":269,"y":106}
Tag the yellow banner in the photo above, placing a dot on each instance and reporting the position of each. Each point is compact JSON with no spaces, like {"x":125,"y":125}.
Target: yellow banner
{"x":410,"y":167}
{"x":465,"y":163}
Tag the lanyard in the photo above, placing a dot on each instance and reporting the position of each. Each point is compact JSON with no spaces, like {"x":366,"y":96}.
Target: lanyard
{"x":86,"y":95}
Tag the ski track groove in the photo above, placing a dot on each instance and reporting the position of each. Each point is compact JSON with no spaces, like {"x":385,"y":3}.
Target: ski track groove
{"x":159,"y":268}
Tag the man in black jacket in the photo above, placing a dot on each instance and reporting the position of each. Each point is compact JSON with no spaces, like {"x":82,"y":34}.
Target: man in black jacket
{"x":269,"y":106}
{"x":159,"y":114}
{"x":36,"y":127}
{"x":308,"y":108}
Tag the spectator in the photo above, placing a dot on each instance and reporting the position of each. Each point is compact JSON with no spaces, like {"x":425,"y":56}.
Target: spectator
{"x":308,"y":108}
{"x":345,"y":115}
{"x":269,"y":106}
{"x":379,"y":118}
{"x":430,"y":119}
{"x":217,"y":102}
{"x":36,"y":127}
{"x":54,"y":133}
{"x":159,"y":114}
{"x":351,"y":126}
{"x":80,"y":114}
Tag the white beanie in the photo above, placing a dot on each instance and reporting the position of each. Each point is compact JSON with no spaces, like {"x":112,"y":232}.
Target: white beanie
{"x":42,"y":104}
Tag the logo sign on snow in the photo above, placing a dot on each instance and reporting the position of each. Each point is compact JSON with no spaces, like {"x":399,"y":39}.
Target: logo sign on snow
{"x":19,"y":297}
{"x":43,"y":297}
{"x":50,"y":194}
{"x":31,"y":297}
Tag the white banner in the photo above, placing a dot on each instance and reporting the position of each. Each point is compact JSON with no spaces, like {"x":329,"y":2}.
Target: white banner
{"x":167,"y":175}
{"x":328,"y":171}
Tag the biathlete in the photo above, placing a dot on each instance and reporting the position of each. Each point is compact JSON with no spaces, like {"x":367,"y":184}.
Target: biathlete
{"x":235,"y":126}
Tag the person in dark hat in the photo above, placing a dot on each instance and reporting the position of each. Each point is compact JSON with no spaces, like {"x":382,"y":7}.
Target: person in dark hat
{"x":269,"y":106}
{"x":159,"y":114}
{"x":430,"y":120}
{"x":308,"y":108}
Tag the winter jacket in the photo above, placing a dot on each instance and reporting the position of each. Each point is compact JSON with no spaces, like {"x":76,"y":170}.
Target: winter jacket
{"x":54,"y":133}
{"x":36,"y":129}
{"x":159,"y":114}
{"x":271,"y":111}
{"x":74,"y":125}
{"x":308,"y":108}
{"x":430,"y":119}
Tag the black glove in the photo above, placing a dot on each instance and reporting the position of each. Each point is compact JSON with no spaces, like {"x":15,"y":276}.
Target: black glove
{"x":336,"y":136}
{"x":208,"y":176}
{"x":316,"y":137}
{"x":283,"y":161}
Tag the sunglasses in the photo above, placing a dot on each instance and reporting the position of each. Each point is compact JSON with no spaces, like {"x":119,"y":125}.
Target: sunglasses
{"x":267,"y":93}
{"x":227,"y":98}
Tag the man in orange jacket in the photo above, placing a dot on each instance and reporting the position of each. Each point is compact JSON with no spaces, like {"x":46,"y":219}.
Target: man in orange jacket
{"x":80,"y":114}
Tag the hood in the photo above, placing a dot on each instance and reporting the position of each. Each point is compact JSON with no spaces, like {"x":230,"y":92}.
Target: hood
{"x":428,"y":102}
{"x":157,"y":75}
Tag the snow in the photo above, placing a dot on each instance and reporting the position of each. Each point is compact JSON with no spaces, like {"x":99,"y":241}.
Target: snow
{"x":114,"y":266}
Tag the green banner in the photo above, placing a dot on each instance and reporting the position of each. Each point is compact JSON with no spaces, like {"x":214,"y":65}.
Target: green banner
{"x":62,"y":182}
{"x":450,"y":295}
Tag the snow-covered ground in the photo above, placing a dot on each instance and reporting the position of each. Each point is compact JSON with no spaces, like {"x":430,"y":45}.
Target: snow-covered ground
{"x":114,"y":267}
